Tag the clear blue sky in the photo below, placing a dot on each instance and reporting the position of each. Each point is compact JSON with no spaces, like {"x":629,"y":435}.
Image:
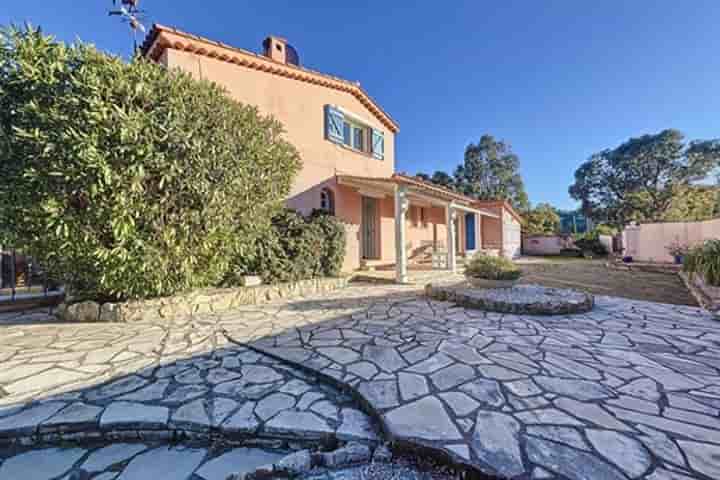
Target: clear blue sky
{"x":558,"y":80}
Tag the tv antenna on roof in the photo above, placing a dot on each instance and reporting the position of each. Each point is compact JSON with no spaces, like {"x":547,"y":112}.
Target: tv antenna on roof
{"x":130,"y":13}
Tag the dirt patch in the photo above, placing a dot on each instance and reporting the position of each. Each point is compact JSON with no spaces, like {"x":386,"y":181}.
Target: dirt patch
{"x":594,"y":277}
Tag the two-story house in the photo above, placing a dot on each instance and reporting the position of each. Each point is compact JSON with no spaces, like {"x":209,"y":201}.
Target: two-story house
{"x":347,"y":145}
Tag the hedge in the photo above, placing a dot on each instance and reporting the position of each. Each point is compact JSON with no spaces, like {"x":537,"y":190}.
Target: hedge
{"x":125,"y":180}
{"x":295,"y":248}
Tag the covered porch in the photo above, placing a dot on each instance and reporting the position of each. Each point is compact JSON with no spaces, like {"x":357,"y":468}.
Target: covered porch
{"x":417,"y":215}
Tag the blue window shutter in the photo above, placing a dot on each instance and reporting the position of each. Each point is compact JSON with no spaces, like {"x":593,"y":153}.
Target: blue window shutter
{"x":378,"y":144}
{"x":334,"y":120}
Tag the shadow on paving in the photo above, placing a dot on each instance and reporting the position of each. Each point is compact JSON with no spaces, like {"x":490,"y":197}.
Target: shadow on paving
{"x":227,"y":405}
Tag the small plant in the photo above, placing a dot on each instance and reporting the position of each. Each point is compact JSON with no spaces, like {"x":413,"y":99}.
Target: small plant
{"x":677,"y":249}
{"x":704,"y":259}
{"x":492,"y":268}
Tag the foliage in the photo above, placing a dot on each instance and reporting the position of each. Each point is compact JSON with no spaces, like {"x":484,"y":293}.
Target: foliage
{"x":443,"y":179}
{"x":295,"y":248}
{"x":492,"y":268}
{"x":639,"y":179}
{"x":604,"y":229}
{"x":332,"y":253}
{"x":542,"y":220}
{"x":693,"y":204}
{"x":491,"y":171}
{"x":704,"y":259}
{"x":590,"y":242}
{"x":126,"y":180}
{"x":439,"y":178}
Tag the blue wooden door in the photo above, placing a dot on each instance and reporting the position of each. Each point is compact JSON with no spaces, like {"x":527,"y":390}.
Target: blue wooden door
{"x":469,"y":231}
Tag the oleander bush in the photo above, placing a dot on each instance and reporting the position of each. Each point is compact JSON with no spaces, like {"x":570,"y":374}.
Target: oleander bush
{"x":492,"y":268}
{"x":704,"y":259}
{"x":295,"y":248}
{"x":126,"y":180}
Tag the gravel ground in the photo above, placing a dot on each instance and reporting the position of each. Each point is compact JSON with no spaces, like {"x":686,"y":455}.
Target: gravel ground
{"x":404,"y":468}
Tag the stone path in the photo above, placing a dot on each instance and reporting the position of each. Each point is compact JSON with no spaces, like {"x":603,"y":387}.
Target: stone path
{"x":175,"y":381}
{"x":629,"y":390}
{"x":134,"y":461}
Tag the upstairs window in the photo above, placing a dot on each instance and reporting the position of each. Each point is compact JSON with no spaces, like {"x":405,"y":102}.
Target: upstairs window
{"x":342,"y":129}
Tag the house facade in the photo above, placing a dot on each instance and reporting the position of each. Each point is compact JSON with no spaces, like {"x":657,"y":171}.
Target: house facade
{"x":347,"y":145}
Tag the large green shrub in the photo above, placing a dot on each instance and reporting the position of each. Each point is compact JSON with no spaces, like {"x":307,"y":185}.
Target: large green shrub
{"x":126,"y":180}
{"x":704,"y":259}
{"x":492,"y":268}
{"x":295,"y":248}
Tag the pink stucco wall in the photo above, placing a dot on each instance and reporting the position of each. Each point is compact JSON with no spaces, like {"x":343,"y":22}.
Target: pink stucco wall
{"x":647,"y":242}
{"x":300,"y":107}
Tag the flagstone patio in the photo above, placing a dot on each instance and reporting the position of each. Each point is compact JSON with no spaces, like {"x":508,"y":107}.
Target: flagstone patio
{"x":628,"y":390}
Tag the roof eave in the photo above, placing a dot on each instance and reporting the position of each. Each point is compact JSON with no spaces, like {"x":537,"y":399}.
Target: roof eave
{"x":153,"y":47}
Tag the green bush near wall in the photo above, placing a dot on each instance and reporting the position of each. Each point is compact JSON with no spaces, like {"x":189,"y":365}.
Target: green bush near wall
{"x":295,"y":248}
{"x":125,"y":180}
{"x":704,"y":259}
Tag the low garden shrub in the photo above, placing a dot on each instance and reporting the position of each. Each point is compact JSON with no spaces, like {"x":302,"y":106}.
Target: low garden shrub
{"x":125,"y":180}
{"x":704,"y":259}
{"x":590,"y":242}
{"x":492,"y":268}
{"x":295,"y":248}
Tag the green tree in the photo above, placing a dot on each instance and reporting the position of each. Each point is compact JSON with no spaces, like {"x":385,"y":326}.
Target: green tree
{"x":692,"y":204}
{"x":542,"y":220}
{"x":443,"y":179}
{"x":126,"y":180}
{"x":639,"y":179}
{"x":491,"y":171}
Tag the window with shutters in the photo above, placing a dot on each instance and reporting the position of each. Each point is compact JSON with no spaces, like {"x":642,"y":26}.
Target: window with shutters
{"x":349,"y":132}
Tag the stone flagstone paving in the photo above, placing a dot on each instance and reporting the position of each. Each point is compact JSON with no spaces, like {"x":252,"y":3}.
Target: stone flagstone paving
{"x":629,"y":390}
{"x":175,"y":381}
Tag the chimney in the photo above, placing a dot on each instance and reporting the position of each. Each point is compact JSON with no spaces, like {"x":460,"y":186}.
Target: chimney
{"x":275,"y":48}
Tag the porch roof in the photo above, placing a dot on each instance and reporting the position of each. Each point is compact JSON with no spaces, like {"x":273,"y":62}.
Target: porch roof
{"x":416,"y":187}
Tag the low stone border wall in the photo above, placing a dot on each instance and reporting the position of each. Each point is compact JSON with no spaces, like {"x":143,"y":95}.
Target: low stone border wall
{"x":520,"y":300}
{"x":204,"y":301}
{"x":706,"y":295}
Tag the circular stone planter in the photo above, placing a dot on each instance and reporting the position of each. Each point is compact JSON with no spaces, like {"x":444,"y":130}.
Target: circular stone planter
{"x":520,"y":299}
{"x":478,"y":282}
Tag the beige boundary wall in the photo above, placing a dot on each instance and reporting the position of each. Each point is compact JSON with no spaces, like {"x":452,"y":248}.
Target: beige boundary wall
{"x":546,"y":244}
{"x":648,"y":242}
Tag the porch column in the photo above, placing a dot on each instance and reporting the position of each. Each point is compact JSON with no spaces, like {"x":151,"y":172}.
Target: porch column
{"x":450,"y":223}
{"x":401,"y":206}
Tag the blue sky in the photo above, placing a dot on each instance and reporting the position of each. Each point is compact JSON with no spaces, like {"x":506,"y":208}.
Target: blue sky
{"x":558,"y":80}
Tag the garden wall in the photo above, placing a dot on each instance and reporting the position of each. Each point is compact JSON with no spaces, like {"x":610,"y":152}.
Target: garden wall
{"x":206,"y":301}
{"x":647,"y":242}
{"x":545,"y":244}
